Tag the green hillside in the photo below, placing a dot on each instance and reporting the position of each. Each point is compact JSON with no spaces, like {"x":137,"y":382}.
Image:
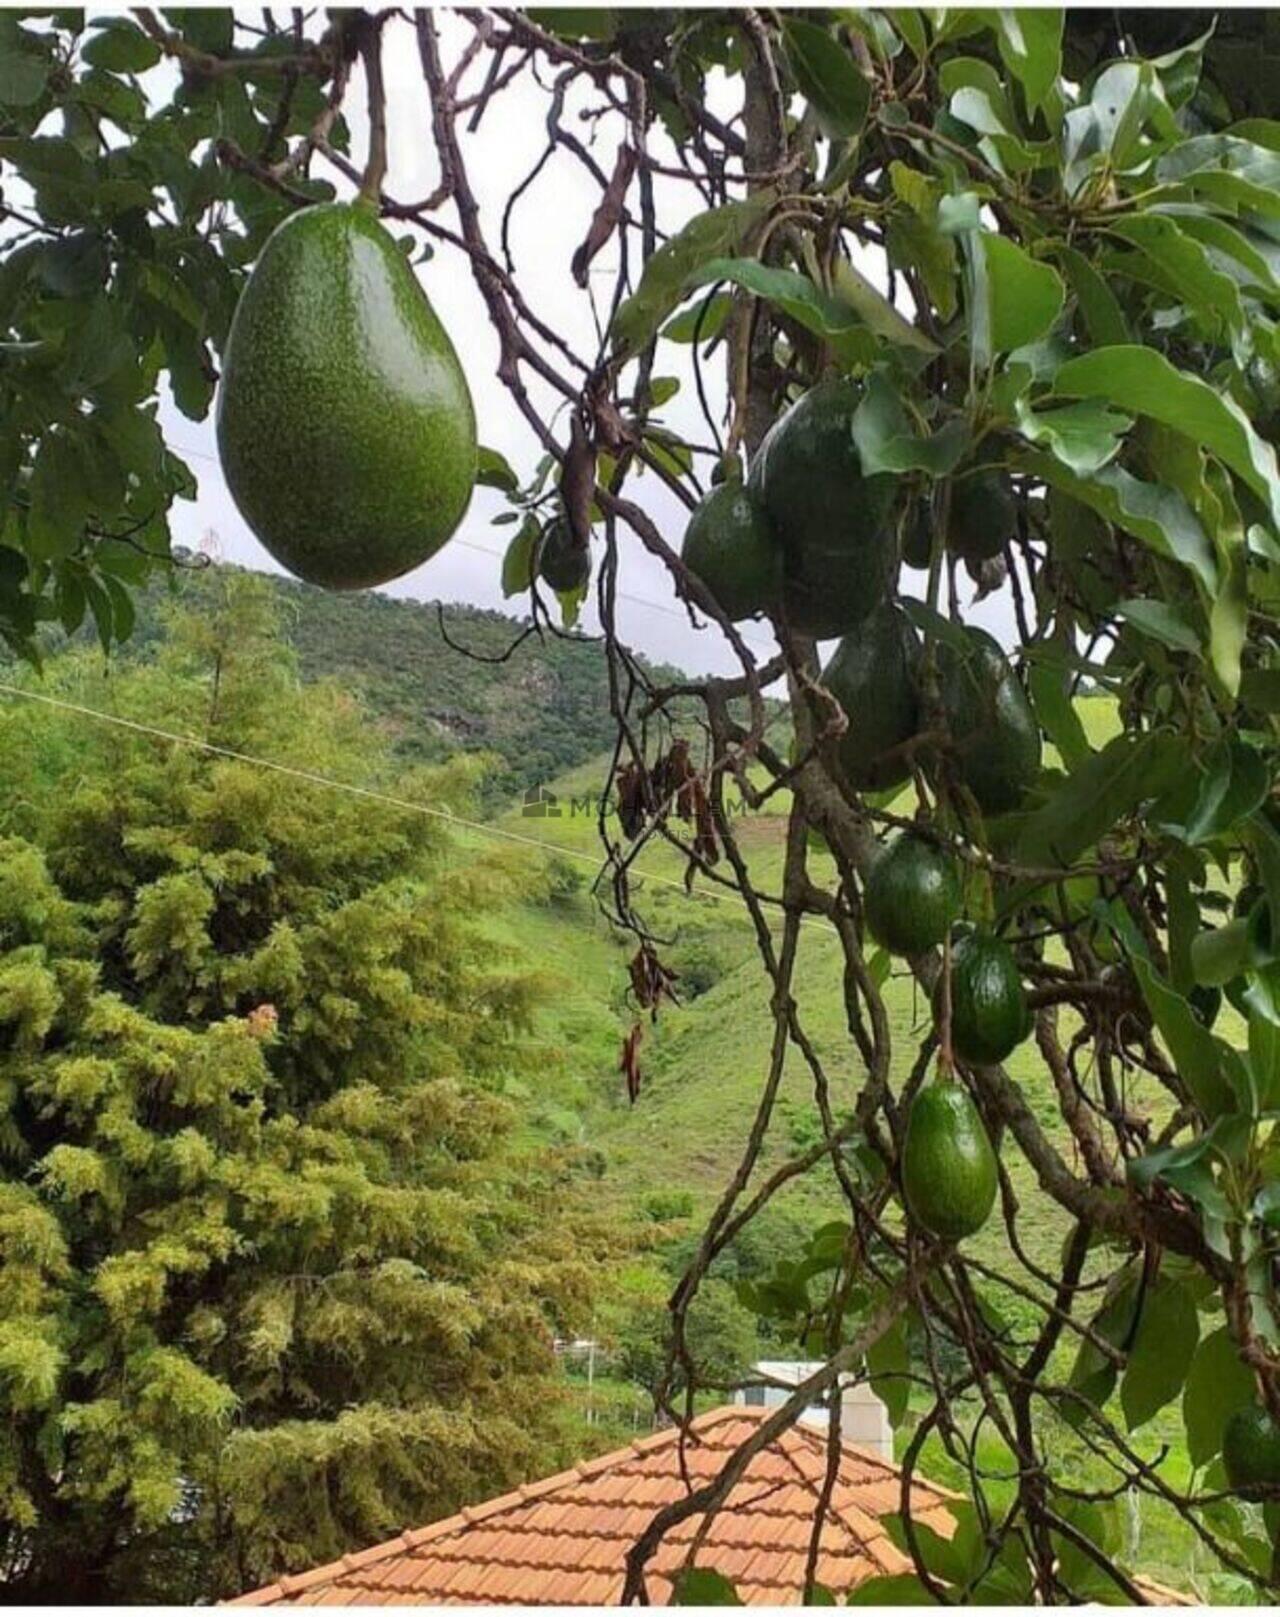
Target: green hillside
{"x":538,"y":712}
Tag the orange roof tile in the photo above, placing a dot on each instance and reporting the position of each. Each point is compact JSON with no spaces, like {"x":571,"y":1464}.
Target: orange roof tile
{"x":563,"y":1541}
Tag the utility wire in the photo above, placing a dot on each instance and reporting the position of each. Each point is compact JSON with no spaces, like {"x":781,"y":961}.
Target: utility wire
{"x":313,"y":778}
{"x":496,"y":555}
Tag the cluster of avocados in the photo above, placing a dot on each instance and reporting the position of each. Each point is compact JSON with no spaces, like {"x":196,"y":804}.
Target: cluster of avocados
{"x":345,"y":425}
{"x":814,"y":542}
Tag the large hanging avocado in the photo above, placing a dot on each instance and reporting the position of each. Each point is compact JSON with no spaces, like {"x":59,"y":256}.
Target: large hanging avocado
{"x":989,"y":1014}
{"x":994,"y":735}
{"x":838,"y":544}
{"x":345,"y":426}
{"x":874,"y":677}
{"x":949,"y":1173}
{"x":563,"y":563}
{"x":912,"y":896}
{"x":731,"y":547}
{"x":1251,"y":1449}
{"x":983,"y":515}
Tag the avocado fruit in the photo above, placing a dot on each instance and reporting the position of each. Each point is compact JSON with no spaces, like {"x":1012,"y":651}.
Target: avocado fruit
{"x":983,"y":515}
{"x":1251,"y":1449}
{"x":993,"y":731}
{"x":912,"y":895}
{"x":989,"y":1012}
{"x":345,"y":425}
{"x":874,"y":675}
{"x":563,"y":563}
{"x":1205,"y":1000}
{"x":839,"y":549}
{"x":949,"y":1174}
{"x":730,"y":546}
{"x":917,"y":537}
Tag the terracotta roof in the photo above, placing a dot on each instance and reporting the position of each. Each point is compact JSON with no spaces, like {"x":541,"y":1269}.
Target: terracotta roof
{"x":563,"y":1541}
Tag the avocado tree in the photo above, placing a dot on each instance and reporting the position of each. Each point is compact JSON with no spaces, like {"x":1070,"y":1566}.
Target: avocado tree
{"x":979,"y":308}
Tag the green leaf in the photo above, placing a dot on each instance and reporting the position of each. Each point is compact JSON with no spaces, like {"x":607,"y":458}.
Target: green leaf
{"x":829,"y":78}
{"x":1025,"y":296}
{"x":493,"y":470}
{"x":1105,"y":788}
{"x":1218,"y":1384}
{"x":1162,"y":621}
{"x":1220,"y":954}
{"x":1030,"y":42}
{"x":1143,"y":381}
{"x":887,"y":443}
{"x":1236,"y":782}
{"x":1102,"y":313}
{"x":59,"y":509}
{"x":1161,"y":517}
{"x":702,"y":322}
{"x":888,"y":1363}
{"x":121,"y":47}
{"x":701,"y":1586}
{"x":1085,"y":437}
{"x":662,"y":285}
{"x":896,"y":1589}
{"x":517,"y":564}
{"x":1192,"y":1047}
{"x":1167,"y":1336}
{"x":796,"y":295}
{"x":1264,"y":1058}
{"x":1185,"y":264}
{"x":853,"y":288}
{"x":1058,"y":715}
{"x":24,"y":66}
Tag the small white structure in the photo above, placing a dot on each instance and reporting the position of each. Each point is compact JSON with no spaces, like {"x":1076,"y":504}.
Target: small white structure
{"x":864,"y":1420}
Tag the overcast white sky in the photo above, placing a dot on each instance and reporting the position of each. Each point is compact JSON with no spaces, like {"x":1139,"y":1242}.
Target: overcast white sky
{"x":548,"y":225}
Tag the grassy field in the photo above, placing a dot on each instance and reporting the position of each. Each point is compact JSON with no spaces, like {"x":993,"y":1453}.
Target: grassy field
{"x":704,"y":1062}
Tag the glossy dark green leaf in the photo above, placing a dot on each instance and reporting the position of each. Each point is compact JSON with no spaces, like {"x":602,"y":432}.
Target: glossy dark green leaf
{"x":25,"y":65}
{"x":1218,"y":1384}
{"x":1091,"y":800}
{"x":1085,"y":437}
{"x":517,"y":564}
{"x":1058,"y":715}
{"x":1025,"y":294}
{"x":1162,"y":621}
{"x":120,"y":47}
{"x":796,"y":295}
{"x":887,"y":441}
{"x":1168,"y":1333}
{"x":494,"y":471}
{"x":1235,"y":782}
{"x":703,"y":1586}
{"x":1030,"y":42}
{"x":828,"y":76}
{"x":1159,"y":516}
{"x":1143,"y":381}
{"x":1191,"y":1046}
{"x":713,"y":234}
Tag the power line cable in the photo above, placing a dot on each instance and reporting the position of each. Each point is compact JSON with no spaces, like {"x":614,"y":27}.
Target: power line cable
{"x":314,"y":778}
{"x":496,"y":555}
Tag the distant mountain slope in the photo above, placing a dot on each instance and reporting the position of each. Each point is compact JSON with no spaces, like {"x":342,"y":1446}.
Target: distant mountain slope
{"x":542,"y":711}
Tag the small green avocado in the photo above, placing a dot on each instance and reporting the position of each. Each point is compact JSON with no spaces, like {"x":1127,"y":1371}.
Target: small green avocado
{"x":949,"y":1172}
{"x":993,"y":731}
{"x":345,"y":426}
{"x":1251,"y":1449}
{"x":989,"y":1013}
{"x":564,"y":564}
{"x":983,"y":516}
{"x":730,"y":546}
{"x":834,"y":525}
{"x":912,"y":896}
{"x":874,"y":677}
